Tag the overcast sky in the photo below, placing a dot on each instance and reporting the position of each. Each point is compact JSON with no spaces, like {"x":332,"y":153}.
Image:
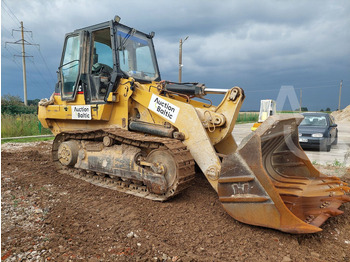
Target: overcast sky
{"x":257,"y":45}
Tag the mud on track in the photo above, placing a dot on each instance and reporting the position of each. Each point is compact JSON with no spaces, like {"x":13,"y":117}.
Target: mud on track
{"x":47,"y":216}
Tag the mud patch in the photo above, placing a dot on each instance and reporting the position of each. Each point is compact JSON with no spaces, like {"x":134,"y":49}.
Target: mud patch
{"x":51,"y":216}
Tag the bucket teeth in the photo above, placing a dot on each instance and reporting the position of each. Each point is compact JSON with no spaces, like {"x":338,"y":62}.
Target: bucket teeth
{"x":338,"y":182}
{"x":341,"y":198}
{"x":330,"y":211}
{"x":341,"y":188}
{"x":269,"y":181}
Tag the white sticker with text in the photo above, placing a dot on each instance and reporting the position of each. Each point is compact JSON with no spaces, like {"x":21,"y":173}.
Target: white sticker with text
{"x":81,"y":112}
{"x":163,"y":108}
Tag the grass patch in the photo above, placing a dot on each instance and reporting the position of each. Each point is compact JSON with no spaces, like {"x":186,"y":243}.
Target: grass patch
{"x":337,"y":163}
{"x":26,"y":140}
{"x":247,"y":117}
{"x":21,"y":125}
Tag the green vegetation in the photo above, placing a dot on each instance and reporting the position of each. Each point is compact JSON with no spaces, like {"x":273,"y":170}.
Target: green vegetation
{"x":288,"y":112}
{"x":337,"y":163}
{"x":21,"y":125}
{"x":27,"y":139}
{"x":12,"y":105}
{"x":303,"y":109}
{"x":18,"y":119}
{"x":328,"y":110}
{"x":248,"y":117}
{"x":252,"y":117}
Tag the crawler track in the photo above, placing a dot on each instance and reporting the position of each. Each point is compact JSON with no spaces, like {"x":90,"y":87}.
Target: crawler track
{"x":182,"y":156}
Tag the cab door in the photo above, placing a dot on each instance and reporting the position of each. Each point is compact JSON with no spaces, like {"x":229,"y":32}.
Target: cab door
{"x":101,"y":64}
{"x":71,"y":65}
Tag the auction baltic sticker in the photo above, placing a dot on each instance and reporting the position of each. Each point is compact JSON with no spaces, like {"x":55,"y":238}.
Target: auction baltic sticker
{"x":163,"y":108}
{"x":81,"y":112}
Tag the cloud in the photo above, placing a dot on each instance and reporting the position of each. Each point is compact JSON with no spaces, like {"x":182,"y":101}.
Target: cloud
{"x":255,"y":44}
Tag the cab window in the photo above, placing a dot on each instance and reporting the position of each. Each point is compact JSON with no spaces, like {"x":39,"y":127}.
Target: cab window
{"x":101,"y":63}
{"x":136,"y":56}
{"x":70,"y":66}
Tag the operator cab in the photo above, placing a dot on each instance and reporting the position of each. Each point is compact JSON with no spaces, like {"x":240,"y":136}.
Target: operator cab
{"x":95,"y":58}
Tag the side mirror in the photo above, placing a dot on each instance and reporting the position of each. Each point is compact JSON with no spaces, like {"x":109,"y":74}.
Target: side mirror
{"x":333,"y":125}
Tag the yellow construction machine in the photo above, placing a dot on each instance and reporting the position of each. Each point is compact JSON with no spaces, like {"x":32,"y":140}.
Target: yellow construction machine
{"x":117,"y":125}
{"x":267,"y":108}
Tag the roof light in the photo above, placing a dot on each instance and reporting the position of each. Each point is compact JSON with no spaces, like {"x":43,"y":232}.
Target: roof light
{"x":117,"y":19}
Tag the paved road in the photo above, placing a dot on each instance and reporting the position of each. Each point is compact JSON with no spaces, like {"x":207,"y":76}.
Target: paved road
{"x":339,"y":152}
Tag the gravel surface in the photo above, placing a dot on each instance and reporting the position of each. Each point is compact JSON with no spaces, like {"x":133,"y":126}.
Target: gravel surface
{"x":46,"y":216}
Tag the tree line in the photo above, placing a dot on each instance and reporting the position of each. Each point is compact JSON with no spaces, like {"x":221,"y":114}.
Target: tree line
{"x":13,"y":105}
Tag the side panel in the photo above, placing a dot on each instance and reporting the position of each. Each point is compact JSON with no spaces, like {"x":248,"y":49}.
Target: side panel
{"x":58,"y":117}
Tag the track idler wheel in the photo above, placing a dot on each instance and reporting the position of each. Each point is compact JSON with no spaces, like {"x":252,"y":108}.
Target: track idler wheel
{"x":68,"y":152}
{"x":164,"y":164}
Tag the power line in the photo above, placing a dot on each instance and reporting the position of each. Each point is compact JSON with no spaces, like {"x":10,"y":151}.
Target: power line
{"x":12,"y":55}
{"x":42,"y":57}
{"x":31,"y":36}
{"x":37,"y":84}
{"x":50,"y":73}
{"x":29,"y":78}
{"x":296,"y":88}
{"x":8,"y":31}
{"x":22,"y":42}
{"x":335,"y":82}
{"x":12,"y":14}
{"x":14,"y":18}
{"x":40,"y":73}
{"x":8,"y":46}
{"x":13,"y":60}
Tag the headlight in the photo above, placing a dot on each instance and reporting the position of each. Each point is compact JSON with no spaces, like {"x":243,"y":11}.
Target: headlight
{"x":317,"y":135}
{"x":300,"y":134}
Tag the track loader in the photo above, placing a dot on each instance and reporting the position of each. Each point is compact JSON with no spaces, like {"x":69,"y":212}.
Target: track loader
{"x":119,"y":126}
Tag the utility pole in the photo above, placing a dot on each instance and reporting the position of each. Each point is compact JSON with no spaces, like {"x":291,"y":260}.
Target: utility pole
{"x":180,"y":58}
{"x":24,"y":67}
{"x":341,"y":84}
{"x":23,"y":42}
{"x":301,"y":93}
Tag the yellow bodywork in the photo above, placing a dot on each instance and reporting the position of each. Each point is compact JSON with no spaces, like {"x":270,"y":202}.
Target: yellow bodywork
{"x":255,"y":126}
{"x":207,"y":129}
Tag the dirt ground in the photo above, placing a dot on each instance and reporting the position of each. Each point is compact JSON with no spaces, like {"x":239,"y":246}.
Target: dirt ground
{"x":46,"y":216}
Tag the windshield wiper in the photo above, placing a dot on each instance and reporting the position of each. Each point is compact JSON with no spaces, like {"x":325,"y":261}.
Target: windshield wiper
{"x":122,"y":43}
{"x":131,"y":32}
{"x":76,"y":60}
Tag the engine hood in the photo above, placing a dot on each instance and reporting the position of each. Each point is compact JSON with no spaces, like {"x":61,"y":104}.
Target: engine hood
{"x":312,"y":129}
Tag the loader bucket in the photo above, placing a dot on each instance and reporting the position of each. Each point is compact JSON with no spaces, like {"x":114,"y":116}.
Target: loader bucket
{"x":269,"y":181}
